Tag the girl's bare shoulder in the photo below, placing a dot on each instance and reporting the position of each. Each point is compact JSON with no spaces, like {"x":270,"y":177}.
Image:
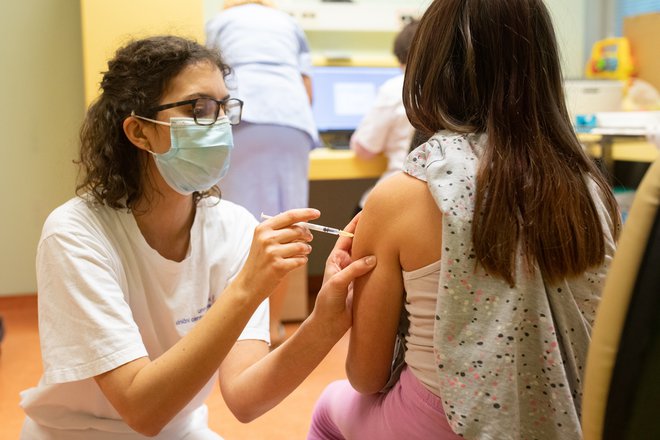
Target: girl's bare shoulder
{"x":402,"y":212}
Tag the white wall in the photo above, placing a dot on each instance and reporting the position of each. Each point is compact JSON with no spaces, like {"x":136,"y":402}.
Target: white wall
{"x":42,"y":92}
{"x":213,"y":6}
{"x":569,"y":16}
{"x":570,"y":22}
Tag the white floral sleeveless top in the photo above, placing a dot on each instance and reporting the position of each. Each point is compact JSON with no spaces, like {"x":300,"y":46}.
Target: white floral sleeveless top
{"x":509,"y":360}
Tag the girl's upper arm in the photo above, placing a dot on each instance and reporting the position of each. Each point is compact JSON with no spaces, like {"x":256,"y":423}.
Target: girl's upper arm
{"x":378,"y":296}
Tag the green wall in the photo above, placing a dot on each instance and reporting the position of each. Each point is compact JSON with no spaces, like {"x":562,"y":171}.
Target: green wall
{"x":42,"y":93}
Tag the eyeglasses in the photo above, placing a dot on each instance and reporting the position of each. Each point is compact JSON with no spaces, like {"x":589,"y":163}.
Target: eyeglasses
{"x":205,"y":110}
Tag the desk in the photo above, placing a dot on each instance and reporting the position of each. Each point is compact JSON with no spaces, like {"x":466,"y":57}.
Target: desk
{"x":613,"y":146}
{"x":329,"y":164}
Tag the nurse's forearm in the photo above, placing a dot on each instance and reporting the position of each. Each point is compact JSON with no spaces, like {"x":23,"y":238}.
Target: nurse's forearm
{"x":148,"y":394}
{"x":266,"y":383}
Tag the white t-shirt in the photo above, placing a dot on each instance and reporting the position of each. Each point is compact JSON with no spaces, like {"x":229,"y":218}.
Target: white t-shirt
{"x":107,"y":298}
{"x":386,"y":128}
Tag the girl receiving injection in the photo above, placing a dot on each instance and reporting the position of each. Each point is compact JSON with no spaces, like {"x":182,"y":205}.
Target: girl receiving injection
{"x":495,"y":241}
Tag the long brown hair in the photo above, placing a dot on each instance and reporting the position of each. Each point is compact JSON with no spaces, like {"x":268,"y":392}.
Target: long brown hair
{"x":492,"y":66}
{"x":111,"y":168}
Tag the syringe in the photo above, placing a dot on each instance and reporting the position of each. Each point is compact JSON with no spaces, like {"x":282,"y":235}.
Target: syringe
{"x":314,"y":227}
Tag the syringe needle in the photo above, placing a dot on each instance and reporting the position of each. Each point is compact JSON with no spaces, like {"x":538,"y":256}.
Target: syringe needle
{"x":315,"y":227}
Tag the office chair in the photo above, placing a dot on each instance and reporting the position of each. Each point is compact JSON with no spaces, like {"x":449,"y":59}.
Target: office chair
{"x":622,"y":379}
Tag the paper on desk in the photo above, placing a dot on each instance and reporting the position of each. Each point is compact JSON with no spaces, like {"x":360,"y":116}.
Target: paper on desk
{"x":644,"y":123}
{"x":633,"y":120}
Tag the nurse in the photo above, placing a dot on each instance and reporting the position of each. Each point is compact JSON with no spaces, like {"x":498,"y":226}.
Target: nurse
{"x":150,"y":285}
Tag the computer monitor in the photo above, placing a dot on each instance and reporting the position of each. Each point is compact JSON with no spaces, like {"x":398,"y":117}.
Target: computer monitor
{"x":342,"y":95}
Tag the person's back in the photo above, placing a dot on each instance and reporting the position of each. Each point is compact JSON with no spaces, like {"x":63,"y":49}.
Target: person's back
{"x":268,"y":53}
{"x":267,"y":37}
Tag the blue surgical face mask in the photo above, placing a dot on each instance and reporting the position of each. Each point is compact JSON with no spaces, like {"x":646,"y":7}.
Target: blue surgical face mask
{"x":199,"y":154}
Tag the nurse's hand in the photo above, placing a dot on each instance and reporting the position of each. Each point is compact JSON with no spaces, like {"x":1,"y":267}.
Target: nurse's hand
{"x":334,"y":301}
{"x":278,"y":247}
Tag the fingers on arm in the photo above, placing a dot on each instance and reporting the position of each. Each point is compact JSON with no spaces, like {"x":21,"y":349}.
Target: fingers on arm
{"x":344,"y":244}
{"x":354,"y":270}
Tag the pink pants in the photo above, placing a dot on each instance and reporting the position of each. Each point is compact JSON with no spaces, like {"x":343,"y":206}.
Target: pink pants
{"x":408,"y":411}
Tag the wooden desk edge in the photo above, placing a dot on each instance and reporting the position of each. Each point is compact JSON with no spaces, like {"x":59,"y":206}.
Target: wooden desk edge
{"x":624,"y":148}
{"x":328,"y":164}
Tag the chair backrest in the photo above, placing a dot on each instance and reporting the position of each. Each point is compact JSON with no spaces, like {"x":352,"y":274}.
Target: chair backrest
{"x":622,"y":378}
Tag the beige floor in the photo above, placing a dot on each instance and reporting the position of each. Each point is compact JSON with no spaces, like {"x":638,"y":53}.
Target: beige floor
{"x":20,"y":368}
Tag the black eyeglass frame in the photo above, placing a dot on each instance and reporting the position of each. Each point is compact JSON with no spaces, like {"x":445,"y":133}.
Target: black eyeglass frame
{"x":221,"y":103}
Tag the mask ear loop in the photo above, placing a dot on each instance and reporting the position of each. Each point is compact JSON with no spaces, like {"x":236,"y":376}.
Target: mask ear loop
{"x":147,"y":145}
{"x":133,"y":115}
{"x":149,"y":150}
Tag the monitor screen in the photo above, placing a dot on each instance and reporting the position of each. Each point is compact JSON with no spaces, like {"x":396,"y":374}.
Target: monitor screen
{"x":342,"y":95}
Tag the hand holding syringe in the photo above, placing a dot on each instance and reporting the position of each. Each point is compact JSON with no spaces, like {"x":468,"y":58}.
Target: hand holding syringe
{"x":313,"y":227}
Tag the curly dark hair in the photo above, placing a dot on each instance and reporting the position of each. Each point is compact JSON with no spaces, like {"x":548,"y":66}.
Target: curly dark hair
{"x":111,"y":167}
